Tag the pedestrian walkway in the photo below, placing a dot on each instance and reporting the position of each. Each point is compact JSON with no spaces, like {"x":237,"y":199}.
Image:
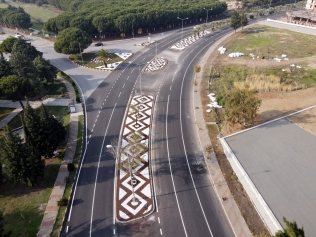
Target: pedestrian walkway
{"x":52,"y":208}
{"x":234,"y":216}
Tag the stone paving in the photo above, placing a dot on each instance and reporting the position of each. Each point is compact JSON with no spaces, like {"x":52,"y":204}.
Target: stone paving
{"x":182,"y":44}
{"x":133,"y":167}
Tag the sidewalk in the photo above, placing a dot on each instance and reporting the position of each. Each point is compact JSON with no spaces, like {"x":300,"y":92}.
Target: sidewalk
{"x":52,"y":208}
{"x":226,"y":199}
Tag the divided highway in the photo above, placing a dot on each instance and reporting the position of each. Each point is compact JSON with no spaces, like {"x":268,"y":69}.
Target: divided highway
{"x":186,"y":202}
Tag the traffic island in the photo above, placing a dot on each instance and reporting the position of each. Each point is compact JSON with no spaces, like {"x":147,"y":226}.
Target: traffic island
{"x":134,"y":194}
{"x":186,"y":42}
{"x":156,"y":64}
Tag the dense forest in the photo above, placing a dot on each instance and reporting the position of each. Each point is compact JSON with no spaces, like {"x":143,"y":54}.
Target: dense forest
{"x":121,"y":16}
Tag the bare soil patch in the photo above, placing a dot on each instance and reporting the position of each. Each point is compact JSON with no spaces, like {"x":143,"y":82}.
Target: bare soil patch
{"x":305,"y":120}
{"x":274,"y":105}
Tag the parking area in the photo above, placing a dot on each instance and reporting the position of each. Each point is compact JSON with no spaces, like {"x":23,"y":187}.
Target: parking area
{"x":280,"y":160}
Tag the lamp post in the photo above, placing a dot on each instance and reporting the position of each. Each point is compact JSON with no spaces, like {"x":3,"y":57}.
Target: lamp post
{"x":207,"y":13}
{"x":182,"y":19}
{"x":100,"y":35}
{"x":140,"y":83}
{"x":80,"y":51}
{"x":133,"y":28}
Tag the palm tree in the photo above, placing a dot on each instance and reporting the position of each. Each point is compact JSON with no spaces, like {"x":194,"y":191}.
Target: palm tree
{"x":203,"y":27}
{"x":103,"y":55}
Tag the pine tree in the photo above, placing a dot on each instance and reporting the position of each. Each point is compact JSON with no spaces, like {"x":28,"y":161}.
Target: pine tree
{"x":53,"y":132}
{"x":22,"y":163}
{"x":235,"y":20}
{"x":291,"y":230}
{"x":243,"y":20}
{"x":32,"y":122}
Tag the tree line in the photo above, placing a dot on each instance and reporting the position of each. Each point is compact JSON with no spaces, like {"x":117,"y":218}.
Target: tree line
{"x":22,"y":76}
{"x":106,"y":16}
{"x":14,"y":17}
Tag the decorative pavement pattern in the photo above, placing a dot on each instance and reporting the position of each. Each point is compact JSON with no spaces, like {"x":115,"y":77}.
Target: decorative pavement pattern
{"x":134,"y":162}
{"x":155,"y":65}
{"x":113,"y":66}
{"x":182,"y":44}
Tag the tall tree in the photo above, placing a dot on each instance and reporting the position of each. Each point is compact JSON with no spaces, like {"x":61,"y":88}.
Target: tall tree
{"x":23,"y":66}
{"x":45,"y":70}
{"x":241,"y":106}
{"x":53,"y":132}
{"x":21,"y":164}
{"x":291,"y":230}
{"x":15,"y":88}
{"x":72,"y":41}
{"x":5,"y":68}
{"x":7,"y":44}
{"x":103,"y":55}
{"x":23,"y":47}
{"x":234,"y":20}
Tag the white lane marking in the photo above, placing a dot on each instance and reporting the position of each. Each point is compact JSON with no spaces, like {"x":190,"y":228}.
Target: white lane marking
{"x":132,"y":70}
{"x":99,"y":111}
{"x":93,"y":125}
{"x":160,"y":232}
{"x":92,"y":130}
{"x":97,"y":117}
{"x":158,"y":220}
{"x":96,"y":176}
{"x":114,"y":231}
{"x":185,"y":151}
{"x":174,"y":188}
{"x":103,"y":103}
{"x":67,"y":229}
{"x":127,"y":78}
{"x":120,"y":94}
{"x":90,"y":136}
{"x":170,"y":87}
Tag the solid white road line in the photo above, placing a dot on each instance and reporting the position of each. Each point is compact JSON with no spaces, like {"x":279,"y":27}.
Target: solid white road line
{"x":67,"y":229}
{"x":186,"y":155}
{"x":96,"y":176}
{"x":174,"y":188}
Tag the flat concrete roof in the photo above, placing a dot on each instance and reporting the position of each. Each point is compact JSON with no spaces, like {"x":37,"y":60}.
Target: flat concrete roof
{"x":280,"y":159}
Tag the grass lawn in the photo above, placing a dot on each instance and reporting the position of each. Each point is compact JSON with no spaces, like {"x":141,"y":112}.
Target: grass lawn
{"x":88,"y":56}
{"x":62,"y":210}
{"x":273,"y":42}
{"x":43,"y":13}
{"x":67,"y":78}
{"x":4,"y":112}
{"x":37,"y":26}
{"x":53,"y":89}
{"x":24,"y":206}
{"x":59,"y":111}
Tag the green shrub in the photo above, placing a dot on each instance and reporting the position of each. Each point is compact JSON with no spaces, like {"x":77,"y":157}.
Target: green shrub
{"x":70,"y":167}
{"x":62,"y":202}
{"x":251,"y":16}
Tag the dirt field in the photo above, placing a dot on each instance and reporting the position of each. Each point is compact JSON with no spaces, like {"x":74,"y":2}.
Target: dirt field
{"x":306,"y":120}
{"x":274,"y":105}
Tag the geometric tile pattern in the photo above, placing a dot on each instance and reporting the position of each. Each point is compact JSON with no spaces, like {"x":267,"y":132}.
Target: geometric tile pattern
{"x":156,"y":64}
{"x":134,"y":190}
{"x":182,"y":44}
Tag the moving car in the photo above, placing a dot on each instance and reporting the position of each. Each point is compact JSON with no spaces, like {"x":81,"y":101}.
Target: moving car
{"x":99,"y":44}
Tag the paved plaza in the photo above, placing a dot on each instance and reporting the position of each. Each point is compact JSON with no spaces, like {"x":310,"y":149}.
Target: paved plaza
{"x":280,"y":159}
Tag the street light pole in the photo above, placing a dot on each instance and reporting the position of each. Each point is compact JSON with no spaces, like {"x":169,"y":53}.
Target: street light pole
{"x":140,"y":82}
{"x":182,"y":19}
{"x":80,"y":54}
{"x":133,"y":28}
{"x":156,"y":53}
{"x":207,"y":13}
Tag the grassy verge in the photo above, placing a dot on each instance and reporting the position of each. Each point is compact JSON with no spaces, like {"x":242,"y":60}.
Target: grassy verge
{"x":71,"y":176}
{"x":61,"y":112}
{"x":67,"y":78}
{"x":4,"y":112}
{"x":37,"y":25}
{"x":55,"y":89}
{"x":88,"y":57}
{"x":24,"y":206}
{"x":272,"y":42}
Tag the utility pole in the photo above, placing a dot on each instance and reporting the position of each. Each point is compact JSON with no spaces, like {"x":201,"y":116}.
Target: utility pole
{"x":80,"y":53}
{"x":140,"y":83}
{"x":156,"y":53}
{"x":182,"y":19}
{"x":207,"y":13}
